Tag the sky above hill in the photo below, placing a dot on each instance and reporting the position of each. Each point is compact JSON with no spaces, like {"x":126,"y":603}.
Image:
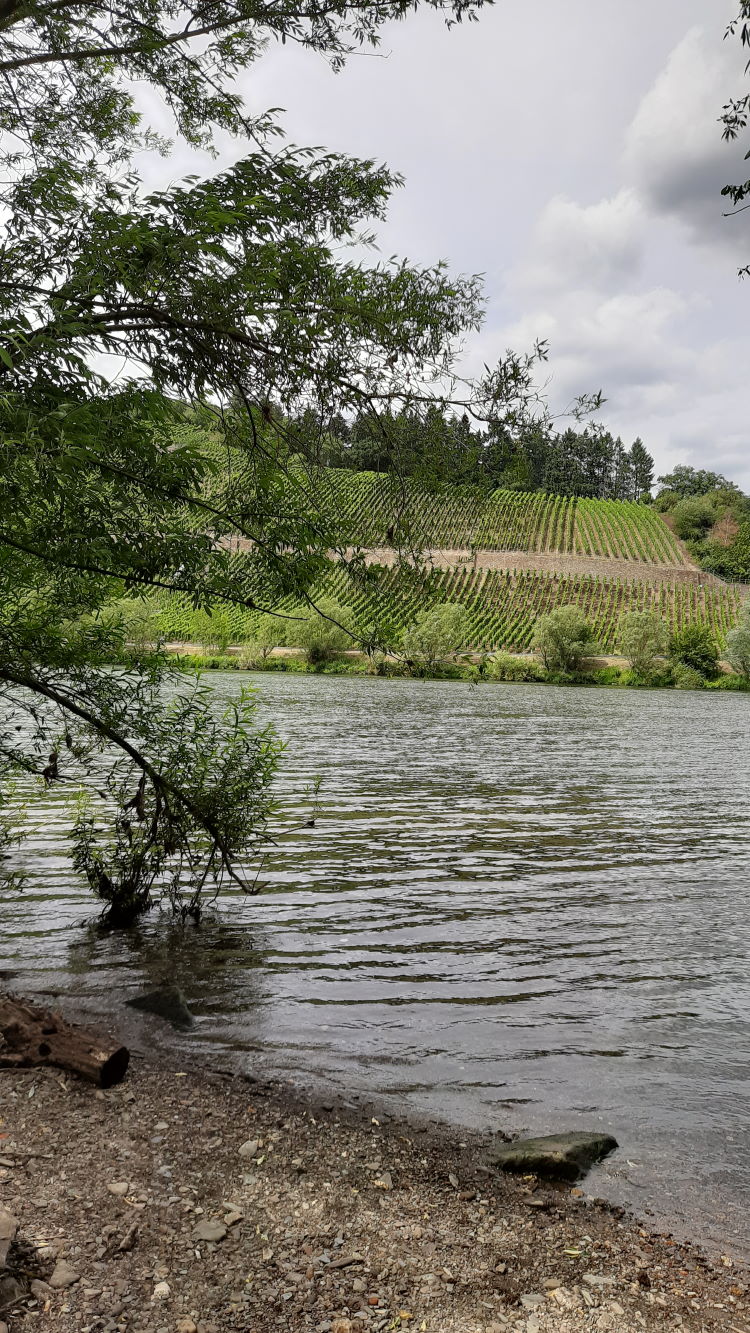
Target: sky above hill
{"x":572,"y":154}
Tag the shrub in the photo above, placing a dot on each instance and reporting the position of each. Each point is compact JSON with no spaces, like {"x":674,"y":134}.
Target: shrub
{"x":642,"y":637}
{"x":211,"y":629}
{"x":735,"y":684}
{"x":436,"y":634}
{"x":738,"y":644}
{"x":506,"y":666}
{"x":321,"y":631}
{"x":687,"y":678}
{"x":562,"y":639}
{"x":693,"y":517}
{"x":269,"y":632}
{"x":695,"y":647}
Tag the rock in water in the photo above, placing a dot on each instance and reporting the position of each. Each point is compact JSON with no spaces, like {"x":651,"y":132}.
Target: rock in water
{"x":168,"y":1002}
{"x":555,"y":1156}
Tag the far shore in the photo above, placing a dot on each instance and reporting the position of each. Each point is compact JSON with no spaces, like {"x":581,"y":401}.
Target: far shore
{"x":187,"y":1200}
{"x":603,"y":671}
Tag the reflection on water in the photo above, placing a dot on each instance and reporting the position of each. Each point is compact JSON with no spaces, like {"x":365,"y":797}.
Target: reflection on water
{"x":519,"y":907}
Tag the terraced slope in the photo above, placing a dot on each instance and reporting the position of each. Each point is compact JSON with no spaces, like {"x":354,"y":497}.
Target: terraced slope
{"x":503,"y":606}
{"x":381,"y":511}
{"x":508,"y":557}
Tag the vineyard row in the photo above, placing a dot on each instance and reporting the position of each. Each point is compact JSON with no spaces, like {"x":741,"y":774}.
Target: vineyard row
{"x":503,"y":607}
{"x":384,"y":511}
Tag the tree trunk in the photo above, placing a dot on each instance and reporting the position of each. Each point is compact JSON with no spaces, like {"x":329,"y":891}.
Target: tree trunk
{"x":31,"y":1036}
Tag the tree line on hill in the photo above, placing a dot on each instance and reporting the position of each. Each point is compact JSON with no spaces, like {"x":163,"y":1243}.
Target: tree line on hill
{"x":437,"y":447}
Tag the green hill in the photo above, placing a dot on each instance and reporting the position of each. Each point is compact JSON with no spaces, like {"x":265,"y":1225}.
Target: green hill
{"x":503,"y":606}
{"x":384,"y":511}
{"x":508,"y":558}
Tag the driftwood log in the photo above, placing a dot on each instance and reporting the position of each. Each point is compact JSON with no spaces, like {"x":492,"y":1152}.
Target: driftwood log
{"x":31,"y":1036}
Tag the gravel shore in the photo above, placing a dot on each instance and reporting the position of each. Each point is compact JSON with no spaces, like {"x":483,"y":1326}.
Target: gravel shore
{"x":186,"y":1201}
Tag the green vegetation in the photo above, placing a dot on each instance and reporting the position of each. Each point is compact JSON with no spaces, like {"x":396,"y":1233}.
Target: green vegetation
{"x":502,"y":607}
{"x":214,"y":300}
{"x":432,"y":446}
{"x":695,"y":647}
{"x":712,"y":516}
{"x":562,"y":639}
{"x":738,"y":643}
{"x":435,"y":635}
{"x":321,"y":630}
{"x":387,"y":511}
{"x":642,"y":638}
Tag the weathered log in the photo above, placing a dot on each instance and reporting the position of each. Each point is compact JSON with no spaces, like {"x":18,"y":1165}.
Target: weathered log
{"x":32,"y":1036}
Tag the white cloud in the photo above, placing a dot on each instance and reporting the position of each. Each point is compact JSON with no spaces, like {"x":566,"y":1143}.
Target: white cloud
{"x":674,"y":153}
{"x":583,"y":246}
{"x":626,"y":299}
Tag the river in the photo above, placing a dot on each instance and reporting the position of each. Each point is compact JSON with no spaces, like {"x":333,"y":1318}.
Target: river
{"x":519,"y":907}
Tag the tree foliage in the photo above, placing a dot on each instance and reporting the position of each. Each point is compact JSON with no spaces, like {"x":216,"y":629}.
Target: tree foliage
{"x":437,"y":447}
{"x":694,"y":646}
{"x":562,"y":639}
{"x":687,"y":481}
{"x":321,"y":629}
{"x":736,"y":111}
{"x":148,"y":340}
{"x":436,"y":634}
{"x":738,"y":643}
{"x":642,"y":638}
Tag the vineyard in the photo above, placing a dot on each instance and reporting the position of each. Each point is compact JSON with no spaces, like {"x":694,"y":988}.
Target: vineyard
{"x":376,"y":510}
{"x":502,"y":606}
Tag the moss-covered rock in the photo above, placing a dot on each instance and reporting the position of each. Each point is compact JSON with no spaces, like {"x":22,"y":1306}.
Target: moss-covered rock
{"x":555,"y":1156}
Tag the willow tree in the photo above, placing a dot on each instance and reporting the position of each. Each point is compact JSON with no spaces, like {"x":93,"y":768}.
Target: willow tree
{"x":151,"y":345}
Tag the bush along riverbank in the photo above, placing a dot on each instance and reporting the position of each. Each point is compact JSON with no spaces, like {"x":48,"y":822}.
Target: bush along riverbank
{"x":185,"y":1201}
{"x":503,"y":667}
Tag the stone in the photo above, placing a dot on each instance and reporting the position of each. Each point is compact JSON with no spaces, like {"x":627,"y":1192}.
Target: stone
{"x":168,"y":1003}
{"x":3,"y":1326}
{"x":40,"y":1290}
{"x":187,"y":1326}
{"x":162,"y":1292}
{"x":8,"y":1229}
{"x":233,"y":1217}
{"x":209,"y":1229}
{"x":63,"y":1275}
{"x":249,"y":1148}
{"x":554,"y":1156}
{"x":10,"y":1291}
{"x":531,"y":1300}
{"x":119,"y":1188}
{"x":341,"y":1326}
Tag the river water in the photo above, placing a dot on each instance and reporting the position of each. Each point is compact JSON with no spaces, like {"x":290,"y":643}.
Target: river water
{"x":520,"y":907}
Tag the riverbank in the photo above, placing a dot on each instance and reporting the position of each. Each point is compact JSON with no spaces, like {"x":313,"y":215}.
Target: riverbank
{"x":507,"y":668}
{"x":185,"y":1201}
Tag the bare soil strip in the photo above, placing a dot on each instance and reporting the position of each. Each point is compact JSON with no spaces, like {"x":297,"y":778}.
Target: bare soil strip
{"x":553,"y":563}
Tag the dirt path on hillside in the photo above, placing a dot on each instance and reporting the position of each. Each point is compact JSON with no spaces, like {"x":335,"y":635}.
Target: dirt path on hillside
{"x":553,"y":562}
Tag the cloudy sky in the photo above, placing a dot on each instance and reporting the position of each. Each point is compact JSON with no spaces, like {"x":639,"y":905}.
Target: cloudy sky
{"x":572,"y":154}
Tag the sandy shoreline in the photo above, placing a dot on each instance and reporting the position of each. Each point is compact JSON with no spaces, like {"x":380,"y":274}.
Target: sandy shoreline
{"x":327,"y":1220}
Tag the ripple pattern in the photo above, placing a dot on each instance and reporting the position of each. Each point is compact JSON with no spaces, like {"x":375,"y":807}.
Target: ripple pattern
{"x":519,"y":906}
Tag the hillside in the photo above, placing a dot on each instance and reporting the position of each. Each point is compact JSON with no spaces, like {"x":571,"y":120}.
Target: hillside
{"x":508,"y":558}
{"x":381,"y":511}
